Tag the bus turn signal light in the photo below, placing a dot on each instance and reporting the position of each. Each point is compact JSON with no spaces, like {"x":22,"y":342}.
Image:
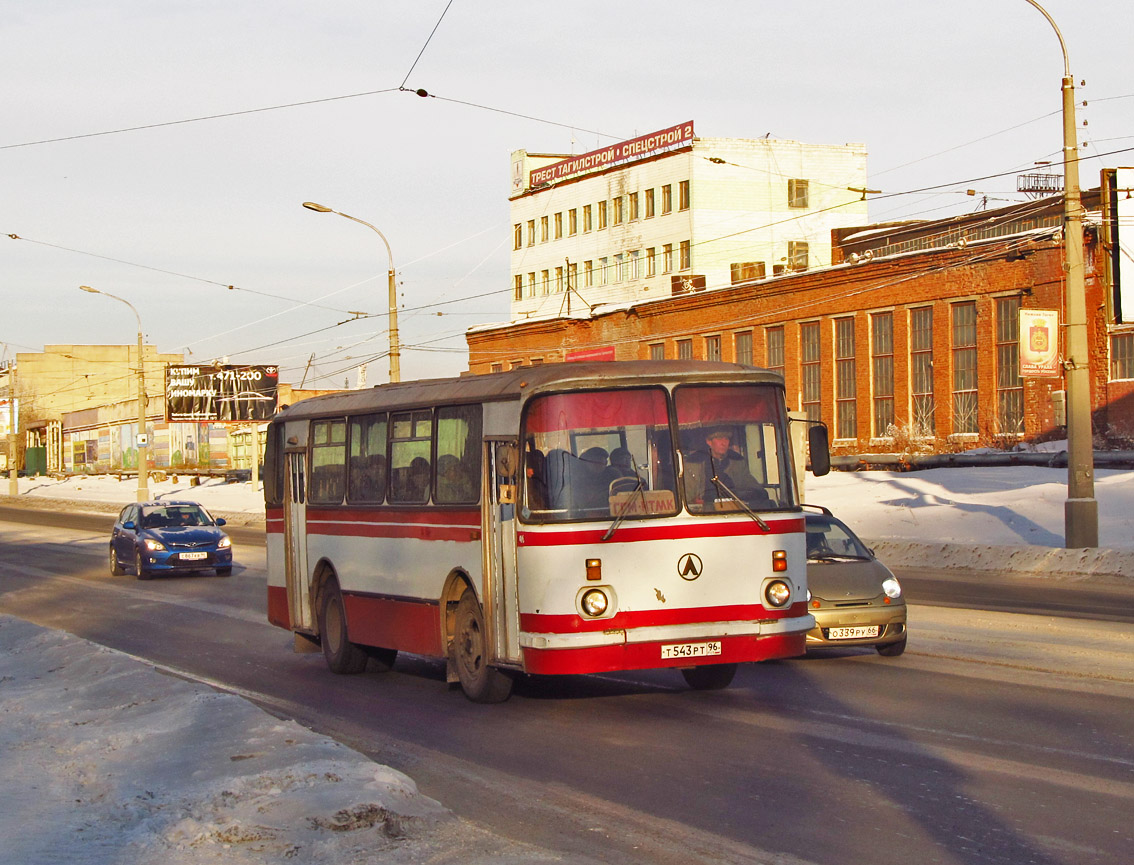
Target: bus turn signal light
{"x":594,"y":569}
{"x":779,"y":561}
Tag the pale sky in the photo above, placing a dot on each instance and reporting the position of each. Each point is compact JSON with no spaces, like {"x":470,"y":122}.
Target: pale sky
{"x":168,"y":217}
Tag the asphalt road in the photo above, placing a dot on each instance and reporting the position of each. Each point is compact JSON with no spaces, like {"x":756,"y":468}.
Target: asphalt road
{"x":845,"y":758}
{"x":974,"y":590}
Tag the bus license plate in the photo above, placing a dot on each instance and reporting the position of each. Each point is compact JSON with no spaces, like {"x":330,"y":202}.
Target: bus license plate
{"x":193,"y":557}
{"x":852,"y":633}
{"x":690,"y":650}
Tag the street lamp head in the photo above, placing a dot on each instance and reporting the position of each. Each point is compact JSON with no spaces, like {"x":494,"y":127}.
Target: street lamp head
{"x":311,"y":205}
{"x":88,"y":288}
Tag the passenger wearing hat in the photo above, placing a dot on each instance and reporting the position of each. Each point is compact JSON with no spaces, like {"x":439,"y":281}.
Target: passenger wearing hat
{"x":710,"y":474}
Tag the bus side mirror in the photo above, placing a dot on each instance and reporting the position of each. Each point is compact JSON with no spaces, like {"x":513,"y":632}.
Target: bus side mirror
{"x":819,"y":450}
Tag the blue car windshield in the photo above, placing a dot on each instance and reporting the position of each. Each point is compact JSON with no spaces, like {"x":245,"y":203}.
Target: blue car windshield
{"x":174,"y":515}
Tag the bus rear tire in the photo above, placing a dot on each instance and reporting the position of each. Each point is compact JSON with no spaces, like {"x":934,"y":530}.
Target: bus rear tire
{"x":343,"y":656}
{"x":712,"y":677}
{"x":480,"y":682}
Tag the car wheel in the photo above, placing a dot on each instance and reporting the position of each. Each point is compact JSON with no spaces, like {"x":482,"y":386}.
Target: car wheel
{"x":115,"y":566}
{"x":480,"y":682}
{"x":711,"y":677}
{"x":892,"y":650}
{"x":224,"y":572}
{"x":142,"y":573}
{"x":342,"y":656}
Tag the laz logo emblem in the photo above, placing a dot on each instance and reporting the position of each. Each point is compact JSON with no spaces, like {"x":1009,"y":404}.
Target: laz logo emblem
{"x":689,"y":566}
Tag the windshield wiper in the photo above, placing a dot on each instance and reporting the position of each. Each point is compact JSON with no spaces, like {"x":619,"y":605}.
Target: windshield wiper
{"x":763,"y":525}
{"x":625,"y":509}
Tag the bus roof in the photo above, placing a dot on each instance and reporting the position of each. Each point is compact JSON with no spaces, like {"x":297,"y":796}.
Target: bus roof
{"x":511,"y":385}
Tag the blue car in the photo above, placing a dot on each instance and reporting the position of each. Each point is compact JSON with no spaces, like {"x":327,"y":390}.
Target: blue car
{"x":154,"y":538}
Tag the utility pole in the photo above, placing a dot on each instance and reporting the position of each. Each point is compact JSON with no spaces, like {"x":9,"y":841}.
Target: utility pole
{"x":13,"y":478}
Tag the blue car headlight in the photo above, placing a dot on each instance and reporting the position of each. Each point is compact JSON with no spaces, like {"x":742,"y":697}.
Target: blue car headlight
{"x":224,"y":543}
{"x":151,"y":544}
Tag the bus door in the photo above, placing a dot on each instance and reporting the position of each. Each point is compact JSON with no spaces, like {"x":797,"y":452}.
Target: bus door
{"x":500,"y":596}
{"x":300,"y":610}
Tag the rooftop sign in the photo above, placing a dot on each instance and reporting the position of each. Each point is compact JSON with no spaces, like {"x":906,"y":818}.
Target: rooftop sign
{"x":625,"y":151}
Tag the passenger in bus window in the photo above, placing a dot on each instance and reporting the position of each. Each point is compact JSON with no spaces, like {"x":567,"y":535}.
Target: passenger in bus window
{"x":721,"y":461}
{"x":453,"y":482}
{"x":536,"y":473}
{"x":592,"y":482}
{"x":417,"y":480}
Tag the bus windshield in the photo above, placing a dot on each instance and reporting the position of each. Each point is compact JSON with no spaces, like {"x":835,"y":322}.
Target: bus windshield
{"x":597,"y":454}
{"x":733,"y":449}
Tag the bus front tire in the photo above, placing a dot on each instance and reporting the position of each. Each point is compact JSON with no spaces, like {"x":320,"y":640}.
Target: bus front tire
{"x":480,"y":682}
{"x":711,"y":677}
{"x":342,"y":656}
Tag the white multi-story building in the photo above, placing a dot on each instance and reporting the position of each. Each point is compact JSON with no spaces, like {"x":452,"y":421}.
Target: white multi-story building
{"x":670,"y":212}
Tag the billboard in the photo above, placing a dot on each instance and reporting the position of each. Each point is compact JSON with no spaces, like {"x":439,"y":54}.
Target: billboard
{"x":1039,"y":343}
{"x":220,"y":393}
{"x":636,"y":148}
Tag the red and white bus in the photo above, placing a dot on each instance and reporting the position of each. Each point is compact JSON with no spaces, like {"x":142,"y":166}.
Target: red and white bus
{"x":557,"y":519}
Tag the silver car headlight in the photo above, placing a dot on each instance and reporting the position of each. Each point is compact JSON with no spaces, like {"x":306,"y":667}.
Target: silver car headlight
{"x":892,"y":587}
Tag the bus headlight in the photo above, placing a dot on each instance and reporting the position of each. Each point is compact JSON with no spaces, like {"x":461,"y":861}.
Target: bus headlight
{"x":777,"y":593}
{"x":594,"y":602}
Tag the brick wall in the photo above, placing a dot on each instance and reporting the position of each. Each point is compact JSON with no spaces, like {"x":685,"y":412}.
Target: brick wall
{"x":980,"y":273}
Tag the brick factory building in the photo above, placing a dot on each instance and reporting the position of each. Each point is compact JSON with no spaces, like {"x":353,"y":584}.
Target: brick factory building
{"x":909,"y":341}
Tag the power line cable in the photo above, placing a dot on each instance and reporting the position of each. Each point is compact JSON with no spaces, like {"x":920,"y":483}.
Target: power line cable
{"x":426,"y":45}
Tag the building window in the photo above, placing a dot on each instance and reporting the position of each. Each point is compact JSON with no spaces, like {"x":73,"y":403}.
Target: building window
{"x":667,"y":199}
{"x":572,"y":222}
{"x":746,"y":271}
{"x":586,"y":218}
{"x":712,"y":348}
{"x":742,"y":347}
{"x":685,"y":255}
{"x":559,"y":225}
{"x":1122,"y":355}
{"x":588,"y":273}
{"x":518,"y":240}
{"x":667,"y":258}
{"x":882,"y":371}
{"x":518,"y":287}
{"x":531,"y":284}
{"x":544,"y":282}
{"x":543,"y":229}
{"x":498,"y":367}
{"x":649,"y":203}
{"x":657,"y":351}
{"x":846,"y":396}
{"x":797,"y":254}
{"x":602,"y":274}
{"x":632,"y":206}
{"x":797,"y":193}
{"x":810,"y":355}
{"x":685,"y":349}
{"x":531,"y":232}
{"x":616,"y":216}
{"x":559,"y":280}
{"x":683,"y":195}
{"x":1009,"y":385}
{"x":651,"y":262}
{"x":921,"y":370}
{"x":619,"y":268}
{"x":964,"y":368}
{"x":774,"y":348}
{"x":602,"y":215}
{"x":572,"y":275}
{"x":635,"y":263}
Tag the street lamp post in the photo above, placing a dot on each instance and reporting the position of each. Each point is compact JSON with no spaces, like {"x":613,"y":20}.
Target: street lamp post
{"x":143,"y":451}
{"x":395,"y":347}
{"x":1081,"y":510}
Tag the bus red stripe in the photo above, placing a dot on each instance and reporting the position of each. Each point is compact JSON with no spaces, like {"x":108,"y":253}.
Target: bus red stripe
{"x":421,"y":533}
{"x":572,"y":623}
{"x":647,"y":656}
{"x":634,"y":534}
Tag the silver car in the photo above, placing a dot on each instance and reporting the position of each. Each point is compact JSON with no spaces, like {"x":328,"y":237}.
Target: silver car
{"x":855,"y":599}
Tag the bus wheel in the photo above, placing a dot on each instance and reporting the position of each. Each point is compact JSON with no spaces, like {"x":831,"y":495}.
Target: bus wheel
{"x":480,"y":682}
{"x":342,"y":655}
{"x":712,"y":677}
